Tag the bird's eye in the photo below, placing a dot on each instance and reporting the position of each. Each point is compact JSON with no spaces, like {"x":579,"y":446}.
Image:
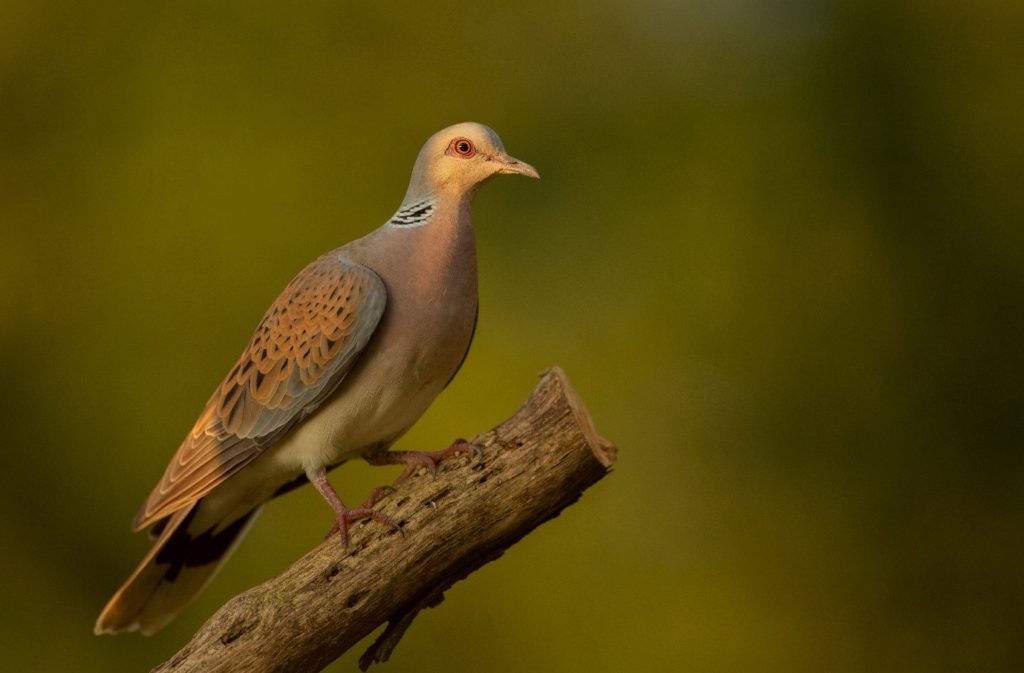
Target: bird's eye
{"x":461,"y":147}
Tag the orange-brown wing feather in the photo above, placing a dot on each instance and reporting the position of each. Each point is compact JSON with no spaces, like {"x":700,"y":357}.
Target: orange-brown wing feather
{"x":303,"y":347}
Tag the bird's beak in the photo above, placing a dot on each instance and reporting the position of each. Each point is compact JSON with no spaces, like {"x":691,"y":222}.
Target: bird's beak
{"x":510,"y":165}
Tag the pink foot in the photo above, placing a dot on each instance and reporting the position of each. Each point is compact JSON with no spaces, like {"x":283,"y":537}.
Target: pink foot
{"x":413,"y":460}
{"x":345,"y":516}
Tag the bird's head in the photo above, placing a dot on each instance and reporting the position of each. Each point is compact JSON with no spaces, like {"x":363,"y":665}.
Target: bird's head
{"x":457,"y":159}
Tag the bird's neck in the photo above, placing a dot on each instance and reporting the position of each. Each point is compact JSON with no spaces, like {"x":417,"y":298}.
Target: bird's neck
{"x":448,"y":238}
{"x":420,"y":190}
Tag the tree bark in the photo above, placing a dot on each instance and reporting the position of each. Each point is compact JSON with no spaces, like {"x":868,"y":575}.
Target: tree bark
{"x":534,"y":465}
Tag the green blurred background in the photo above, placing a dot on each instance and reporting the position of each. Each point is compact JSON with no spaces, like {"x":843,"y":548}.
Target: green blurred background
{"x":777,"y":246}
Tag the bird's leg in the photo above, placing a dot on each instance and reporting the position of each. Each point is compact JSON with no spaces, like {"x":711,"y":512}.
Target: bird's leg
{"x":343,"y":515}
{"x":417,"y":459}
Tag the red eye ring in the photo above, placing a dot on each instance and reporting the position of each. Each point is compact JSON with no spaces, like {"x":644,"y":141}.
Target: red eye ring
{"x":461,"y":147}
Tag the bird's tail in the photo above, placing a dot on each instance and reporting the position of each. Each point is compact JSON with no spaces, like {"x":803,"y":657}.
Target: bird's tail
{"x":178,"y":566}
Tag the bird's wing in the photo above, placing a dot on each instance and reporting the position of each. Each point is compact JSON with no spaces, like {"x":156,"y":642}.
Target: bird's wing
{"x":304,"y":346}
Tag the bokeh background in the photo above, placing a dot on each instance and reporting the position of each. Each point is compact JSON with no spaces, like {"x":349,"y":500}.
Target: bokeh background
{"x":777,"y":246}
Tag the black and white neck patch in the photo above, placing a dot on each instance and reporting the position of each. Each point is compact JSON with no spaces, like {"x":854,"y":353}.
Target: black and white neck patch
{"x":416,"y":214}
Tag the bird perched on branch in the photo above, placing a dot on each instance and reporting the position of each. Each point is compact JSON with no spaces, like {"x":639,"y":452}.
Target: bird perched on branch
{"x":343,"y":363}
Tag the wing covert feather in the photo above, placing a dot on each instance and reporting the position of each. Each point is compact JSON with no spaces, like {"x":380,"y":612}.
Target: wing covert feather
{"x":306,"y":343}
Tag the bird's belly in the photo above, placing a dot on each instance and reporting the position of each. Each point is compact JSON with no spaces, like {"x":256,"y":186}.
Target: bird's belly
{"x":354,"y":420}
{"x":375,"y":405}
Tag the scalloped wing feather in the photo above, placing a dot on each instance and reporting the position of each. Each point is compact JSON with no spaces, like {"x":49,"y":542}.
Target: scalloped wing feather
{"x":303,"y":347}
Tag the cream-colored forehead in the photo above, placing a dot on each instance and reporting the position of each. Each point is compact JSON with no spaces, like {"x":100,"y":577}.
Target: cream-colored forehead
{"x":482,"y":136}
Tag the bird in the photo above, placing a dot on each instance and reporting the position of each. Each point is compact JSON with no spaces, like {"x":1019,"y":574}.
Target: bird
{"x":342,"y":364}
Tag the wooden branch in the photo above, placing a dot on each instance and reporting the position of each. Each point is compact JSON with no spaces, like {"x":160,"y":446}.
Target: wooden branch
{"x":534,"y":465}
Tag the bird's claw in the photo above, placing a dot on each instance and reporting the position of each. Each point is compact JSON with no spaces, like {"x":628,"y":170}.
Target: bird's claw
{"x":414,"y":460}
{"x":364,"y":511}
